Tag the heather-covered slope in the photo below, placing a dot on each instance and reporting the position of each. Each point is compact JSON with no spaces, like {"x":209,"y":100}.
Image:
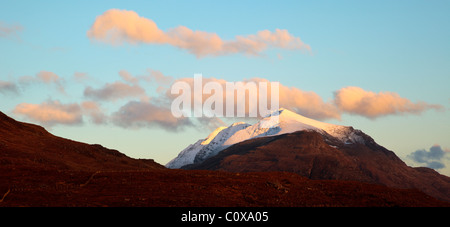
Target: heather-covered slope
{"x":24,"y":145}
{"x":319,"y":156}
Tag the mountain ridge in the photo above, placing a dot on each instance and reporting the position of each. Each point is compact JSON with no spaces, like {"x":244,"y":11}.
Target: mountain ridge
{"x":279,"y":122}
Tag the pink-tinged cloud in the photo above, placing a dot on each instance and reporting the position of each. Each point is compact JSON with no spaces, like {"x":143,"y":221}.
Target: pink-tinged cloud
{"x":118,"y":26}
{"x":128,"y":77}
{"x":10,"y":31}
{"x":151,"y":76}
{"x":307,"y":103}
{"x":94,"y":111}
{"x":115,"y":91}
{"x":80,"y":76}
{"x":355,"y":100}
{"x":45,"y":77}
{"x":159,"y":78}
{"x":48,"y":77}
{"x":51,"y":113}
{"x":138,"y":114}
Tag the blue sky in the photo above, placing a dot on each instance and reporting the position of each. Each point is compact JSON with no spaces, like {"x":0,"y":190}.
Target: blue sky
{"x":379,"y":46}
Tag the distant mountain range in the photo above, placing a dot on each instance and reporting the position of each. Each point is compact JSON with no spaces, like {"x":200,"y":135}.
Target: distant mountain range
{"x":286,"y":141}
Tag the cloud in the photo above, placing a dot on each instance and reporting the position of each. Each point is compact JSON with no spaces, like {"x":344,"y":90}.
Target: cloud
{"x":51,"y":78}
{"x":45,"y":77}
{"x":7,"y":87}
{"x":307,"y":103}
{"x":151,"y":76}
{"x":128,"y":77}
{"x":51,"y":113}
{"x":122,"y":26}
{"x":48,"y":77}
{"x":141,"y":114}
{"x":355,"y":100}
{"x":159,"y":78}
{"x":115,"y":91}
{"x":93,"y":110}
{"x":351,"y":100}
{"x":10,"y":31}
{"x":137,"y":114}
{"x":140,"y":110}
{"x":128,"y":88}
{"x":435,"y":158}
{"x":80,"y":76}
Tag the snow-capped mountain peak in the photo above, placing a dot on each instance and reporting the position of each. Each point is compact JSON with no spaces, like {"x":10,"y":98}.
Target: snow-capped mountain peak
{"x":212,"y":135}
{"x":279,"y":122}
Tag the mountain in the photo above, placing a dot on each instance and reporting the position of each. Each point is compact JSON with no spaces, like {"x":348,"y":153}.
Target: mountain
{"x":278,"y":122}
{"x":319,"y":150}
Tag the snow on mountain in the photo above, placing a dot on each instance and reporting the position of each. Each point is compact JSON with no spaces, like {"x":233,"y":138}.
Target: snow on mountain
{"x":279,"y":122}
{"x":207,"y":147}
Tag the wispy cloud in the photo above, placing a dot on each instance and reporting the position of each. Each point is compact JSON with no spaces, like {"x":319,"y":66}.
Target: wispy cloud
{"x":128,"y":77}
{"x":355,"y":100}
{"x":115,"y":91}
{"x":7,"y":87}
{"x":138,"y":114}
{"x":10,"y":31}
{"x":45,"y":77}
{"x":118,"y":26}
{"x":95,"y":112}
{"x":128,"y":88}
{"x":80,"y":77}
{"x":151,"y":76}
{"x":159,"y":78}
